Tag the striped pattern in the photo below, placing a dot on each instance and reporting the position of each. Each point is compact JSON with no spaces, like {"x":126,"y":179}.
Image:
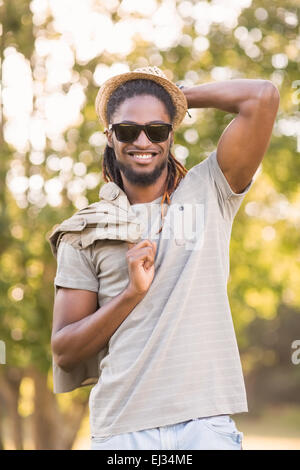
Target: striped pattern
{"x":175,"y":357}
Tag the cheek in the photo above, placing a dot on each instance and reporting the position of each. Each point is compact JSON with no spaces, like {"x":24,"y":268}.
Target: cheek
{"x":118,"y":146}
{"x":168,"y":145}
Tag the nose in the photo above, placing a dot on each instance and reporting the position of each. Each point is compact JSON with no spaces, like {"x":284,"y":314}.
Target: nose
{"x":142,"y":140}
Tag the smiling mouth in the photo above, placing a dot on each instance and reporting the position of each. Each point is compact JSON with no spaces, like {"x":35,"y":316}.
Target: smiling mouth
{"x":142,"y":157}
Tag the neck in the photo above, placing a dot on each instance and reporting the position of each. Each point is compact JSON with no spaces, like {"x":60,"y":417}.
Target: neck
{"x":142,"y":194}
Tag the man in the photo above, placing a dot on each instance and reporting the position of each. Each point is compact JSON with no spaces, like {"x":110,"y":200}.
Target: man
{"x":156,"y":313}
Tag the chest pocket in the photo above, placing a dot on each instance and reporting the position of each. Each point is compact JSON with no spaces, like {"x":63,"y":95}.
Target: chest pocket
{"x":185,"y":224}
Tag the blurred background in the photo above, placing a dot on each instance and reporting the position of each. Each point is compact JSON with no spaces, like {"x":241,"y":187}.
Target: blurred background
{"x":54,"y":56}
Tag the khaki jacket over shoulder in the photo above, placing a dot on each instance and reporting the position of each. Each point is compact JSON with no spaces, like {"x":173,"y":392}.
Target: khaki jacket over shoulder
{"x":110,"y":218}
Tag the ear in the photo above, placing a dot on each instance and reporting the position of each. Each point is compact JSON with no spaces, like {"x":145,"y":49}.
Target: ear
{"x":109,"y":138}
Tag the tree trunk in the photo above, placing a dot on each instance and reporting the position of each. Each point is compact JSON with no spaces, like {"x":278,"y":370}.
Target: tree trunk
{"x":10,"y":382}
{"x":52,"y":429}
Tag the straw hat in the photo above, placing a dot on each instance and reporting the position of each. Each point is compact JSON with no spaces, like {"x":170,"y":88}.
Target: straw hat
{"x":152,"y":73}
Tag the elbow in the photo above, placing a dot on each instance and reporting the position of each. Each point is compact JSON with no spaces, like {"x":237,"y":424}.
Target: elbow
{"x":62,"y":362}
{"x":270,"y":93}
{"x":267,"y":97}
{"x":60,"y":358}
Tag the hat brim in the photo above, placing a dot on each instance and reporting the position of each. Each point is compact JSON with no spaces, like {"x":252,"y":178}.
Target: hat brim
{"x":110,"y":85}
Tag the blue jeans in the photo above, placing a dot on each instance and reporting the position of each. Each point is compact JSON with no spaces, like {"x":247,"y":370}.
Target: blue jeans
{"x":212,"y":433}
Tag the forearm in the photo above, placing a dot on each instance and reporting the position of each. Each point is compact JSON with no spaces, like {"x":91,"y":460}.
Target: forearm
{"x":228,"y":95}
{"x":86,"y":337}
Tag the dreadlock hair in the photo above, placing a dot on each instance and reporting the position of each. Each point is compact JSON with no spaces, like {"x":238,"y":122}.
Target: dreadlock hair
{"x":176,"y":171}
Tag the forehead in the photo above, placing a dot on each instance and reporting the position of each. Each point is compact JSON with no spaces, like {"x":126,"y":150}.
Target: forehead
{"x":141,"y":109}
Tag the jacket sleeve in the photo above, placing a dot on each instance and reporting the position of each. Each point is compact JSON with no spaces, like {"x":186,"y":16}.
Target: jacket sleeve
{"x":74,"y":270}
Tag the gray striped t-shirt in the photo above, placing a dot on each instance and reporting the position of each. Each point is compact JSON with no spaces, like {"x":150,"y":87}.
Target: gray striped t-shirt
{"x":175,"y":356}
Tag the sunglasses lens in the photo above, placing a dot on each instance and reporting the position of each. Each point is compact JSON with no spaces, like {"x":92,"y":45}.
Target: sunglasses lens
{"x":158,"y":132}
{"x":126,"y":132}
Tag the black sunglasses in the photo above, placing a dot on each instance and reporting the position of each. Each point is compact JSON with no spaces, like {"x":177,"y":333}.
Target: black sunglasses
{"x":130,"y":132}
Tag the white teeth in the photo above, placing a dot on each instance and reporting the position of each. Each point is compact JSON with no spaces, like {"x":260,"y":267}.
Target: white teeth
{"x":143,"y":157}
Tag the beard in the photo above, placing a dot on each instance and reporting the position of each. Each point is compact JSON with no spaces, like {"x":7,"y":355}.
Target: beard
{"x":138,"y":178}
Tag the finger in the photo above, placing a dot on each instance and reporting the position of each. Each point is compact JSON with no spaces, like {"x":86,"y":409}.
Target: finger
{"x":143,"y":254}
{"x":141,"y":244}
{"x":147,"y":265}
{"x":130,"y":245}
{"x":154,"y":244}
{"x":149,"y":262}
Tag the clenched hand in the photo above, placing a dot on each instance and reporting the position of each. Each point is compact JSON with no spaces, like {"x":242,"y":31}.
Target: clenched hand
{"x":140,"y":260}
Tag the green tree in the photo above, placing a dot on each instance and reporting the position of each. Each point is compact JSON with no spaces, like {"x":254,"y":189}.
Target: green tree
{"x":265,"y":272}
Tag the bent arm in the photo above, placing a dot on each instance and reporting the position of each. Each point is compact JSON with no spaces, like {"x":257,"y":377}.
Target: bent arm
{"x":245,"y":140}
{"x":80,"y":330}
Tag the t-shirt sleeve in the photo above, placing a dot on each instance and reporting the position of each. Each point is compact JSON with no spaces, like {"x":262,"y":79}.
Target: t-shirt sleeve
{"x":74,"y":269}
{"x":229,"y":201}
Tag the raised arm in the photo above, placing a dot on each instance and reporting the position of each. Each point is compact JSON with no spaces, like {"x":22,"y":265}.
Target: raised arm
{"x":245,"y":140}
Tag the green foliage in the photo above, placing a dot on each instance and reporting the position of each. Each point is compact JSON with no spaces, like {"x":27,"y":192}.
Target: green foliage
{"x":265,"y":273}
